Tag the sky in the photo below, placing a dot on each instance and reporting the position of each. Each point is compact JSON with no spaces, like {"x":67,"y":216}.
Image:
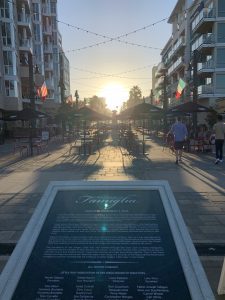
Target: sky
{"x":113,"y":67}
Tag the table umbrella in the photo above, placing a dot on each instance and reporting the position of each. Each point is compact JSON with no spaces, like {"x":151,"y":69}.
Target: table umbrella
{"x":139,"y":111}
{"x":85,"y":113}
{"x":188,"y":107}
{"x":27,"y":114}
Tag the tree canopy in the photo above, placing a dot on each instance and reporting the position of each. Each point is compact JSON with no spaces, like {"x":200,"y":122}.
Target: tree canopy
{"x":135,"y":96}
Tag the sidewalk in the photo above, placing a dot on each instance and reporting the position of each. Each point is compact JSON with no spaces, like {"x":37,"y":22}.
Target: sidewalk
{"x":198,"y":186}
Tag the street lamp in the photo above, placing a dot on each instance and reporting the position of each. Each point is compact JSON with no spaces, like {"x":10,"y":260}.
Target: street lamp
{"x":165,"y":100}
{"x":62,"y":91}
{"x":151,"y":97}
{"x":76,"y":95}
{"x":32,"y":81}
{"x":193,"y":66}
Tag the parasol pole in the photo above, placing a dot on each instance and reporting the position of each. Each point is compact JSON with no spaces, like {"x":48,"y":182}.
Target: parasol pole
{"x":143,"y":137}
{"x":84,"y":137}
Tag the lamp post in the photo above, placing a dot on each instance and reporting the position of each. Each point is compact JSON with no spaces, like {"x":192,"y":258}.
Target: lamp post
{"x":62,"y":93}
{"x":32,"y":96}
{"x":195,"y":87}
{"x":165,"y":100}
{"x":151,"y":97}
{"x":76,"y":95}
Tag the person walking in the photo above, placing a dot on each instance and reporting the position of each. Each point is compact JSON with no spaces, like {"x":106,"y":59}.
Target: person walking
{"x":219,"y":130}
{"x":180,"y":133}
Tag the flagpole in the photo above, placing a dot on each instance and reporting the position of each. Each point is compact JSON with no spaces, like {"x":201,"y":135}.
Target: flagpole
{"x":195,"y":88}
{"x":32,"y":100}
{"x":165,"y":101}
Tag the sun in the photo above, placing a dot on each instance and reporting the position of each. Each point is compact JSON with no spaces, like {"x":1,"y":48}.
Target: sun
{"x":115,"y":94}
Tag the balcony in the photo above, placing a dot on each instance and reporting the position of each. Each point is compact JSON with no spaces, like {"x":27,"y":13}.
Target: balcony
{"x":49,"y":66}
{"x":205,"y":40}
{"x":207,"y":67}
{"x":159,"y":83}
{"x":50,"y":83}
{"x":25,"y":44}
{"x":177,"y":46}
{"x":178,"y":63}
{"x":48,"y":48}
{"x":160,"y":70}
{"x":24,"y":19}
{"x":205,"y":90}
{"x":47,"y":30}
{"x":173,"y":87}
{"x":24,"y":71}
{"x":203,"y":21}
{"x":46,"y":10}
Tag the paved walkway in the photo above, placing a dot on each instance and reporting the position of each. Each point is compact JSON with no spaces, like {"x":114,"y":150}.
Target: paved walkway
{"x":198,"y":186}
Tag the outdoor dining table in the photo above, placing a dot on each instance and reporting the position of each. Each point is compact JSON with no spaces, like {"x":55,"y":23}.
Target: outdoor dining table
{"x":24,"y":144}
{"x":86,"y":144}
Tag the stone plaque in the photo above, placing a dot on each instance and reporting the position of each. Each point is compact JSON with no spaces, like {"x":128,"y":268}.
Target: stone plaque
{"x":105,"y":240}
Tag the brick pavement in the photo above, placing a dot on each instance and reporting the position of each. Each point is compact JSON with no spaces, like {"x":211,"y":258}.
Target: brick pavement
{"x":198,"y":185}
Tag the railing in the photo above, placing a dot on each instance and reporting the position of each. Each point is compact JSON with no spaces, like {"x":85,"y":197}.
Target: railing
{"x":159,"y":82}
{"x":206,"y":65}
{"x":160,"y":69}
{"x":207,"y":39}
{"x":205,"y":89}
{"x":25,"y":43}
{"x":46,"y":10}
{"x":47,"y":29}
{"x":48,"y":48}
{"x":8,"y":69}
{"x":49,"y":83}
{"x":48,"y":65}
{"x":175,"y":65}
{"x":202,"y":15}
{"x":173,"y":86}
{"x":180,"y":42}
{"x":24,"y":18}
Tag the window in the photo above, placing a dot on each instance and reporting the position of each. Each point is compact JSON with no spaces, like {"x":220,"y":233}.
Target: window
{"x":220,"y":62}
{"x":9,"y":88}
{"x":38,"y":53}
{"x":221,"y":33}
{"x":220,"y":79}
{"x":4,"y":9}
{"x":6,"y":34}
{"x":54,"y":23}
{"x":221,"y":8}
{"x":36,"y":12}
{"x":8,"y":62}
{"x":53,"y":7}
{"x":37,"y":33}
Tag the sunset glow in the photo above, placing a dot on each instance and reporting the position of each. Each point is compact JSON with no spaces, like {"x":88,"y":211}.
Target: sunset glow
{"x":115,"y":94}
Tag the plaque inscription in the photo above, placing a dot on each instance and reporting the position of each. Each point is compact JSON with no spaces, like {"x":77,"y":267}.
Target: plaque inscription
{"x":114,"y":244}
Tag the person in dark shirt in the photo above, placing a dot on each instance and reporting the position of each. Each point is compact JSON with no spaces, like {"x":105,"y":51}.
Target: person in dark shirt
{"x":180,"y":133}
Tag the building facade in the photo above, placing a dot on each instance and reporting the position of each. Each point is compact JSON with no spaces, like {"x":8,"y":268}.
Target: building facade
{"x":29,"y":39}
{"x":207,"y":24}
{"x":175,"y":56}
{"x":197,"y":26}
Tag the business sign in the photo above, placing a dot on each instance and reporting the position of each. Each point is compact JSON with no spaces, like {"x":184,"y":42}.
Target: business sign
{"x":105,"y":240}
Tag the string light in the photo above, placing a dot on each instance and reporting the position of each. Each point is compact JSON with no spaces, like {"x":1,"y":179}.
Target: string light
{"x":110,"y":39}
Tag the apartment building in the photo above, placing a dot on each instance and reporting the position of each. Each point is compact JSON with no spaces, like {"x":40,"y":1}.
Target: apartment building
{"x":207,"y":24}
{"x":64,"y":68}
{"x":175,"y":56}
{"x":30,"y":42}
{"x":196,"y":26}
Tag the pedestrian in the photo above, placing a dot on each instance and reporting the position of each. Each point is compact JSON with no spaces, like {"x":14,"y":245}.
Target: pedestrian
{"x":180,"y":133}
{"x":219,"y":130}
